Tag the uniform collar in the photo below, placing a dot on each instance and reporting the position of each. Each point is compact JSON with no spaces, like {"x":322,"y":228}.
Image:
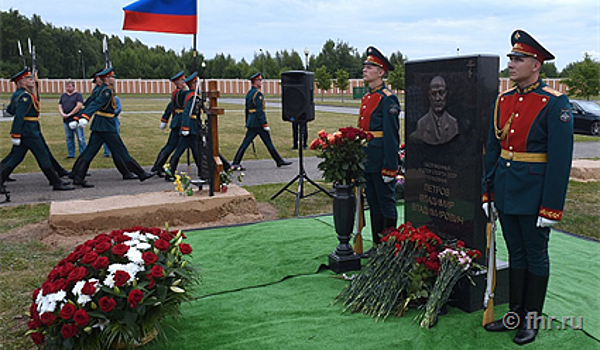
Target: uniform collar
{"x":378,"y":88}
{"x":529,"y":88}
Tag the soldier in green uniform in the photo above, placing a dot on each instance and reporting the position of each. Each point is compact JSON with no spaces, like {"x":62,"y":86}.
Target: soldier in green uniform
{"x":378,"y":115}
{"x":188,"y":129}
{"x":174,"y":108}
{"x":257,"y":125}
{"x":528,"y":161}
{"x":104,"y":130}
{"x":26,"y":134}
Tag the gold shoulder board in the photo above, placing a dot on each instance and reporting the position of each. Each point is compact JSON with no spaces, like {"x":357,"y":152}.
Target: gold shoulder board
{"x":387,"y":92}
{"x":550,"y":90}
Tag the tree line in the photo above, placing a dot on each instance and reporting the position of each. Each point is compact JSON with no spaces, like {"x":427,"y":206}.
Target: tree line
{"x":337,"y":61}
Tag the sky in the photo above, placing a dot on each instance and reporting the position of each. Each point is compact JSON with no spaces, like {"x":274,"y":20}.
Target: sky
{"x":419,"y":29}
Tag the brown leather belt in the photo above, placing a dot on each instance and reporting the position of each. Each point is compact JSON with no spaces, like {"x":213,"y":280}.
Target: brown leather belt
{"x":524,"y":156}
{"x":105,"y":114}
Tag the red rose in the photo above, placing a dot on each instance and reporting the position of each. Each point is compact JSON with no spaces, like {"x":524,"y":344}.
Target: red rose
{"x":162,"y":245}
{"x":89,"y":288}
{"x":36,"y":292}
{"x":322,"y":134}
{"x":69,"y":330}
{"x":77,"y":274}
{"x":149,"y":258}
{"x":33,"y":324}
{"x":107,"y":304}
{"x":65,"y":268}
{"x":152,"y":283}
{"x":60,"y":284}
{"x":116,"y":233}
{"x":102,"y":247}
{"x":167,"y":236}
{"x":67,"y":311}
{"x":185,"y":248}
{"x":316,"y":143}
{"x":89,"y":257}
{"x":54,"y":274}
{"x":370,"y":136}
{"x":81,"y":317}
{"x":157,"y":271}
{"x":460,"y":244}
{"x":120,"y":249}
{"x":37,"y":338}
{"x":33,"y":312}
{"x":134,"y":298}
{"x":100,"y":263}
{"x":47,"y":318}
{"x":121,"y":238}
{"x":121,"y":277}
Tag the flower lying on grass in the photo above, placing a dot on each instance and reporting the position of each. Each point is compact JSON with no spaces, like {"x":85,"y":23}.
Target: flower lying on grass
{"x":114,"y":288}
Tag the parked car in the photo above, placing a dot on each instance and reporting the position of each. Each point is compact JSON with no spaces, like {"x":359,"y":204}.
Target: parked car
{"x":586,"y":117}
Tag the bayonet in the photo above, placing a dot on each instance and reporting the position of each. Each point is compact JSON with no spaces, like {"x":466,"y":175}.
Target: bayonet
{"x":107,"y":62}
{"x":21,"y":53}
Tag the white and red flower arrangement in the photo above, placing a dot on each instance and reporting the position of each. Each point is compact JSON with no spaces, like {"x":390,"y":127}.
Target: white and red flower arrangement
{"x":113,"y":289}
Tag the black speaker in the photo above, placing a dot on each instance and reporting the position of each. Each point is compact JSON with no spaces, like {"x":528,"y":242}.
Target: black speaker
{"x":297,"y":96}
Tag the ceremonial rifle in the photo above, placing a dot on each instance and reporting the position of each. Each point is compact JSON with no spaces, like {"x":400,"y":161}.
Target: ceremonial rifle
{"x":359,"y":220}
{"x":107,"y":63}
{"x":488,"y":298}
{"x":34,"y":72}
{"x":208,"y":141}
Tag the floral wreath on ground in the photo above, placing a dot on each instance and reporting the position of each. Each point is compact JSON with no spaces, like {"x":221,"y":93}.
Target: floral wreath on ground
{"x":113,"y":289}
{"x":412,"y":267}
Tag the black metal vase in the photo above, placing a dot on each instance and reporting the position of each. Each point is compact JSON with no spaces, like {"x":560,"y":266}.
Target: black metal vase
{"x":344,"y":207}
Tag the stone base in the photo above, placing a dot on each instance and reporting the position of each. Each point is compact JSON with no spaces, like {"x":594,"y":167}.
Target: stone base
{"x":154,"y":209}
{"x":339,"y":264}
{"x":469,"y":297}
{"x":585,"y":170}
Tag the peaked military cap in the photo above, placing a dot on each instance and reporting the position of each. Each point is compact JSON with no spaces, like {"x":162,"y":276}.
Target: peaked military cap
{"x":22,"y":74}
{"x":525,"y":45}
{"x":177,"y":76}
{"x":376,"y":58}
{"x":191,"y":78}
{"x":255,"y":76}
{"x":107,"y":71}
{"x":95,"y":74}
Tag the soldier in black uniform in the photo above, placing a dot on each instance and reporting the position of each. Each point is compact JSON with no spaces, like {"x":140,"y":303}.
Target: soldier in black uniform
{"x":104,"y":130}
{"x":174,"y":108}
{"x":26,"y":134}
{"x":528,"y":162}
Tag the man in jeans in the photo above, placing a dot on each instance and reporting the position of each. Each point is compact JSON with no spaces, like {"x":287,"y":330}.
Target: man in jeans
{"x":69,"y":105}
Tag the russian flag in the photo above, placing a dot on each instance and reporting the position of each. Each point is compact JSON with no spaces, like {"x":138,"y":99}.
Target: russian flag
{"x":164,"y":16}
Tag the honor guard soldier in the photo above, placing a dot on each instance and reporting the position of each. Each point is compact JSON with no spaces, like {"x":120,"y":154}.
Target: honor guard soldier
{"x":104,"y":130}
{"x":188,"y":130}
{"x":257,"y":124}
{"x":528,"y":161}
{"x":174,"y":109}
{"x":379,"y":110}
{"x":26,"y":134}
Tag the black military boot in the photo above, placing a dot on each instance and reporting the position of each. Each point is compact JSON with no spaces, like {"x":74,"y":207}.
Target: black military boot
{"x":142,"y":174}
{"x":388,"y":224}
{"x":4,"y":174}
{"x":80,"y":173}
{"x":57,"y":183}
{"x":277,"y":158}
{"x":516,"y":285}
{"x":123,"y":169}
{"x":62,"y":172}
{"x":376,"y":228}
{"x":161,"y":159}
{"x":535,"y":294}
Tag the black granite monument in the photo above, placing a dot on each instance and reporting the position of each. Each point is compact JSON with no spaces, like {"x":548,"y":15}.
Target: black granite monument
{"x":449,"y":103}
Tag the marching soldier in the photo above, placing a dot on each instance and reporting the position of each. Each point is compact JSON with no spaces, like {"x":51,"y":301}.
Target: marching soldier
{"x":104,"y":130}
{"x":528,"y":160}
{"x":256,"y":124}
{"x":175,"y":109}
{"x":188,"y":129}
{"x":26,"y":134}
{"x":379,"y":111}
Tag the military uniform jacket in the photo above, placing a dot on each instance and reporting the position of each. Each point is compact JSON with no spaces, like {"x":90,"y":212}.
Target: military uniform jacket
{"x":529,"y":151}
{"x":102,"y":107}
{"x":255,"y":109}
{"x":189,"y":117}
{"x":378,"y":114}
{"x":26,"y":109}
{"x":175,"y":108}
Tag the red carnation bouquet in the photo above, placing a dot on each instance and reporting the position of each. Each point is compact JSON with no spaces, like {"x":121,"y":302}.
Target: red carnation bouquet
{"x":343,"y":154}
{"x":113,"y":289}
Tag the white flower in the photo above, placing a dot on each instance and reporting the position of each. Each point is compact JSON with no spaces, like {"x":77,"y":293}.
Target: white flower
{"x":143,"y":246}
{"x":83,"y":299}
{"x":135,"y":256}
{"x":132,"y":269}
{"x":48,"y":302}
{"x":134,"y":235}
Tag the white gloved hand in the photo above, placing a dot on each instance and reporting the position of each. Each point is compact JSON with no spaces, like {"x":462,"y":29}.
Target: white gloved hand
{"x":83,"y":122}
{"x":387,"y":179}
{"x":185,"y":133}
{"x":15,"y":141}
{"x":543,"y":222}
{"x":486,"y":209}
{"x":73,"y":125}
{"x":267,"y":128}
{"x":163,"y":125}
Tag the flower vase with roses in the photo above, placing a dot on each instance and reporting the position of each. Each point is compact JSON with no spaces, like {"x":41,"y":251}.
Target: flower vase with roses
{"x":113,"y":289}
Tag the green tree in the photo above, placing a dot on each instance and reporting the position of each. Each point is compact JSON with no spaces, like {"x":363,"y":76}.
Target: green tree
{"x":341,"y":81}
{"x":584,"y":78}
{"x":323,"y":80}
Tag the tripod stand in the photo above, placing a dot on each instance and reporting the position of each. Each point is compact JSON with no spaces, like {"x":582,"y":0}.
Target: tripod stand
{"x":301,"y":176}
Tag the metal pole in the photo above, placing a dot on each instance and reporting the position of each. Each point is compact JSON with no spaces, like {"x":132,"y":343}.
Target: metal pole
{"x":83,"y":71}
